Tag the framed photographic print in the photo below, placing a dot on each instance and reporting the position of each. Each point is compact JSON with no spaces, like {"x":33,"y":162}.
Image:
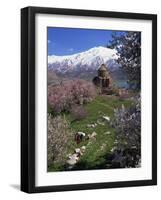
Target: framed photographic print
{"x":88,"y":99}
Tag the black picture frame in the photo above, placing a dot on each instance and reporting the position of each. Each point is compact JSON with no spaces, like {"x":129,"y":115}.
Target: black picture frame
{"x":28,"y":98}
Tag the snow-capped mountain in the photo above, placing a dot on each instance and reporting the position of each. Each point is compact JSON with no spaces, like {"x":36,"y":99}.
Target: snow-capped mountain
{"x":85,"y":61}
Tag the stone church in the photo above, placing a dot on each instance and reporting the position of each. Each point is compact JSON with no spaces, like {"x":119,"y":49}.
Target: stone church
{"x":103,"y":80}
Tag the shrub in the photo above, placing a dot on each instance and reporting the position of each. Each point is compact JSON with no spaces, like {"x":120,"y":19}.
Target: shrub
{"x":63,"y":96}
{"x":78,"y":112}
{"x":58,"y":140}
{"x":127,"y":123}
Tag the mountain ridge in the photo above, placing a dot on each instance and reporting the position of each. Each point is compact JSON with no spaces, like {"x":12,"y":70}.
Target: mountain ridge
{"x":84,"y":61}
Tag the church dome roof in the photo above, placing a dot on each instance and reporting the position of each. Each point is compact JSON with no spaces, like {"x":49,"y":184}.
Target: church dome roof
{"x":102,"y":68}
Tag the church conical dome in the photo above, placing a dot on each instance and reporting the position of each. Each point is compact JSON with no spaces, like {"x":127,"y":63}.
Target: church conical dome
{"x":102,"y":68}
{"x":102,"y":71}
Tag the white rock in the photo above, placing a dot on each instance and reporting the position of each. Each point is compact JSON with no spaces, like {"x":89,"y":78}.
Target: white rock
{"x":83,"y":148}
{"x":106,"y":118}
{"x":77,"y":151}
{"x":92,"y":125}
{"x":72,"y":161}
{"x":69,"y":156}
{"x":89,"y":136}
{"x":113,"y":149}
{"x":75,"y":156}
{"x":93,"y":134}
{"x":103,"y":146}
{"x":100,"y":123}
{"x":107,"y":133}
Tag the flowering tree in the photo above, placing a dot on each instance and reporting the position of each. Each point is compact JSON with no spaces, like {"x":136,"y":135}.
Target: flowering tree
{"x":63,"y":96}
{"x":128,"y":46}
{"x":59,"y":139}
{"x":127,"y":123}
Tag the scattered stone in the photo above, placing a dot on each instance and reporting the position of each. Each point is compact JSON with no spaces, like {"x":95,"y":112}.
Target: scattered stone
{"x":106,"y":118}
{"x":100,"y":123}
{"x":113,"y":149}
{"x":69,"y":155}
{"x":73,"y":158}
{"x":76,"y":156}
{"x":78,"y":151}
{"x":103,"y":146}
{"x":93,"y":135}
{"x":72,"y":161}
{"x":107,"y":133}
{"x":83,"y":148}
{"x":92,"y":125}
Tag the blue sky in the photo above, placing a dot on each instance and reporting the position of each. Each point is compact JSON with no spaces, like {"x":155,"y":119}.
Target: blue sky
{"x":66,"y":41}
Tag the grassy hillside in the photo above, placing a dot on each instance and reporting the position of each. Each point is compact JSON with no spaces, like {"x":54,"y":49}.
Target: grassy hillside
{"x":96,"y":148}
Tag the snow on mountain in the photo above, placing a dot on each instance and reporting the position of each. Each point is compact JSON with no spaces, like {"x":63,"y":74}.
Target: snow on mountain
{"x":84,"y":61}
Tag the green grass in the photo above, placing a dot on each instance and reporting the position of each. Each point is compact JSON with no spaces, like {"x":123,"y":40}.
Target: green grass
{"x":95,"y":149}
